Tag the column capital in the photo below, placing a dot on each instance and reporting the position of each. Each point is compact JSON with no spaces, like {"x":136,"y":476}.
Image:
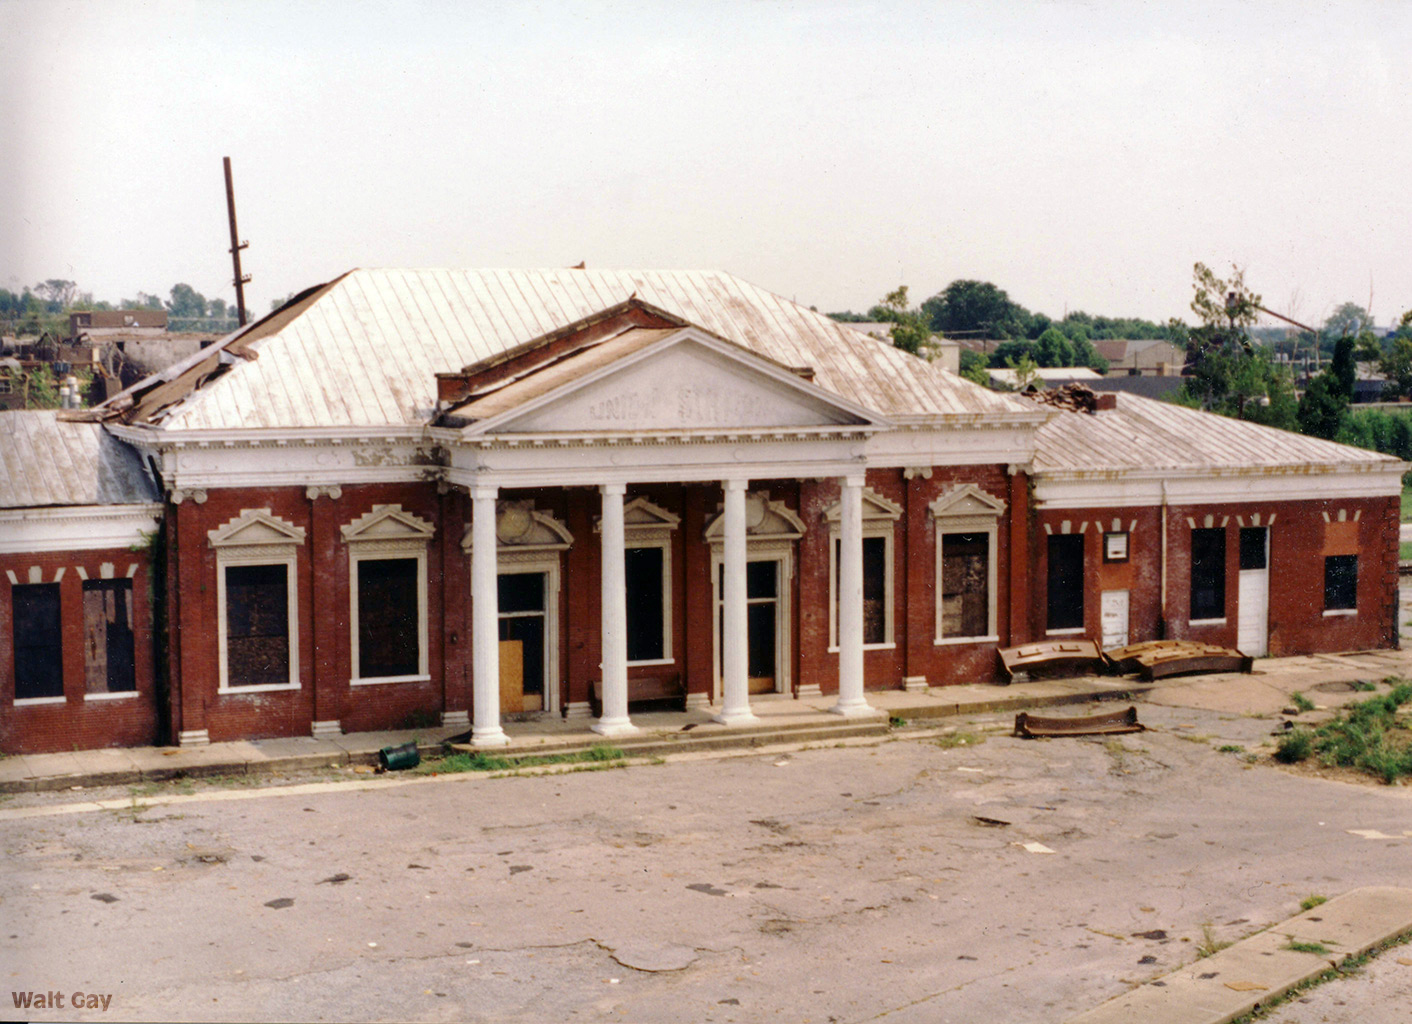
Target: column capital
{"x":857,"y":479}
{"x":314,"y":493}
{"x":734,"y":485}
{"x":612,"y":488}
{"x":483,"y":491}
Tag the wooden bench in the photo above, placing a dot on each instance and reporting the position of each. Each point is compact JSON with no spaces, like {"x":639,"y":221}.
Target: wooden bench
{"x":648,"y":693}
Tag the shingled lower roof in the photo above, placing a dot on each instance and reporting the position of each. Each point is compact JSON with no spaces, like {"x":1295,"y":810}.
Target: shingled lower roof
{"x":364,"y":350}
{"x":1142,"y":435}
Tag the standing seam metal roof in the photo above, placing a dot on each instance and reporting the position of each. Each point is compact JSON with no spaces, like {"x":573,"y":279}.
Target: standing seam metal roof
{"x":45,"y":461}
{"x":366,"y":349}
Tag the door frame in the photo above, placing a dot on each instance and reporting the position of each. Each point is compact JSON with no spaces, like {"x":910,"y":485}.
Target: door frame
{"x":781,"y":552}
{"x":1240,"y":604}
{"x":513,"y":562}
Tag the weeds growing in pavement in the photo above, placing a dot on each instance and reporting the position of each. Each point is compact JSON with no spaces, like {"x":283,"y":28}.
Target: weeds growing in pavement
{"x":1209,"y":944}
{"x":1310,"y":902}
{"x":1301,"y":702}
{"x":480,"y":761}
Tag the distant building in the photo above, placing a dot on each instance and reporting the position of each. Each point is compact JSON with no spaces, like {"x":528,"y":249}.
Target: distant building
{"x":1144,"y":357}
{"x":1049,"y":376}
{"x":100,"y":323}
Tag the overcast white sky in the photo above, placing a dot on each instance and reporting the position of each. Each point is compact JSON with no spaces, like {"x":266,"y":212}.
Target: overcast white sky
{"x":1079,"y":155}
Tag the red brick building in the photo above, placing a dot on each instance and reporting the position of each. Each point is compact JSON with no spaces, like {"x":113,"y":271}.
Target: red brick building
{"x":454,"y":495}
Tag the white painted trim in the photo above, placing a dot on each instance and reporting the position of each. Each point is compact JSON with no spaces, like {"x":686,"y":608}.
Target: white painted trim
{"x":384,"y":680}
{"x":120,"y":695}
{"x":762,"y":549}
{"x":368,"y":540}
{"x":26,"y":702}
{"x":1207,"y":622}
{"x":954,"y":641}
{"x":1057,"y":490}
{"x":967,"y":509}
{"x":511,"y":562}
{"x":77,"y":528}
{"x":1330,"y":612}
{"x":238,"y":555}
{"x":1071,"y":631}
{"x":877,"y":526}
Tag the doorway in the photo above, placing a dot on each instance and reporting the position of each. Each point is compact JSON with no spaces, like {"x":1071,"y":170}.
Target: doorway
{"x":765,"y":623}
{"x":523,"y":632}
{"x":1253,"y":620}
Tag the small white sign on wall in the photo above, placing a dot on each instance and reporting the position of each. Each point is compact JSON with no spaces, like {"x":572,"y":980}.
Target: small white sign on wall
{"x":1114,"y":618}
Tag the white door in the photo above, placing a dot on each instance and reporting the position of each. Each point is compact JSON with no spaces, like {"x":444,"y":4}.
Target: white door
{"x":1114,"y":618}
{"x":1253,"y":622}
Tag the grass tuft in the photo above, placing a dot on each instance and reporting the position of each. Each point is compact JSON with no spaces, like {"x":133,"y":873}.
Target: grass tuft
{"x":1294,"y":746}
{"x":1310,"y":902}
{"x":1317,"y":948}
{"x":1300,"y":701}
{"x":480,"y":761}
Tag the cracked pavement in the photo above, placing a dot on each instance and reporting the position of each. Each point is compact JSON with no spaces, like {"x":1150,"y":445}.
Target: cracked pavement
{"x":892,"y":881}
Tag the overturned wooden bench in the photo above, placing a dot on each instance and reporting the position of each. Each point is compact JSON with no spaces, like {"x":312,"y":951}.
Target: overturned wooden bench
{"x":1030,"y":726}
{"x":648,"y":693}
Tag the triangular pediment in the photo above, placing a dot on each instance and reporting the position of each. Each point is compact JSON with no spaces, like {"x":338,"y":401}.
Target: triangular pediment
{"x":655,"y":381}
{"x":967,"y":500}
{"x":388,"y":522}
{"x":875,"y":506}
{"x":641,"y":516}
{"x":256,"y":527}
{"x":764,"y":520}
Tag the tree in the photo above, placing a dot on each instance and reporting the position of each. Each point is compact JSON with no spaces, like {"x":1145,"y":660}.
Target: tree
{"x":1396,"y":366}
{"x":1054,"y":349}
{"x":1227,"y":372}
{"x":1324,"y":406}
{"x":1350,"y":318}
{"x":910,"y":329}
{"x":973,"y":368}
{"x":56,"y":293}
{"x":186,"y":302}
{"x":976,"y":308}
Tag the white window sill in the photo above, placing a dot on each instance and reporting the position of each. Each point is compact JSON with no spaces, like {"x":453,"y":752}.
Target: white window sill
{"x":1206,"y":622}
{"x":654,"y":661}
{"x":1330,"y":612}
{"x":122,"y":695}
{"x":948,"y":641}
{"x":28,"y":702}
{"x":382,"y":680}
{"x":266,"y":688}
{"x":1074,"y":631}
{"x":868,"y":647}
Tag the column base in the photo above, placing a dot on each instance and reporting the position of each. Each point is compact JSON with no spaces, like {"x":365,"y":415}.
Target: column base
{"x":329,"y":730}
{"x":489,"y":736}
{"x":455,"y":719}
{"x":915,"y":684}
{"x":698,"y":701}
{"x":578,"y":709}
{"x":740,"y":716}
{"x":615,"y":727}
{"x":194,"y":738}
{"x":809,"y":691}
{"x":857,"y":709}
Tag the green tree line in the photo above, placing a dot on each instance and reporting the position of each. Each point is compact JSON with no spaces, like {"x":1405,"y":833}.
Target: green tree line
{"x":46,"y":306}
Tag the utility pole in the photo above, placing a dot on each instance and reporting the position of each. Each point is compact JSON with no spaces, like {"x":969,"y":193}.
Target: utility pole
{"x":235,"y":246}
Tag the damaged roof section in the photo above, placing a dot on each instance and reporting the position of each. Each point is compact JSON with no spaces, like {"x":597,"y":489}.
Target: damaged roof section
{"x":45,"y":461}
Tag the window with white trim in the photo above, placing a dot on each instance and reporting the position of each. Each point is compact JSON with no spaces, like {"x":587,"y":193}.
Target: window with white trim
{"x":257,"y":602}
{"x":1341,"y":583}
{"x":880,"y":517}
{"x":387,"y":574}
{"x":967,"y":521}
{"x":647,"y":561}
{"x":38,"y":642}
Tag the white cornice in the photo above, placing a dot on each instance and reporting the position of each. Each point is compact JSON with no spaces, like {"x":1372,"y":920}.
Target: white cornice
{"x":76,"y":527}
{"x":1054,"y":490}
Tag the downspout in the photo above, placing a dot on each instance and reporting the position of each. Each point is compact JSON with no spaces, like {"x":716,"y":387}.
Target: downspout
{"x":1163,"y":622}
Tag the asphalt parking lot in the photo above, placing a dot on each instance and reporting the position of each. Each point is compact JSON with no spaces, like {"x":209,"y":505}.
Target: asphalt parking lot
{"x":917,"y":879}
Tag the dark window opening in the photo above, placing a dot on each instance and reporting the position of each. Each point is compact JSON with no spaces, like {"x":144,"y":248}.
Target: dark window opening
{"x":874,"y":587}
{"x":389,"y":636}
{"x":1252,"y":547}
{"x":257,"y":625}
{"x":39,"y":669}
{"x":1340,"y":582}
{"x":646,"y":614}
{"x":108,"y":662}
{"x":522,"y":620}
{"x":1208,"y":574}
{"x":1066,"y":582}
{"x":965,"y":584}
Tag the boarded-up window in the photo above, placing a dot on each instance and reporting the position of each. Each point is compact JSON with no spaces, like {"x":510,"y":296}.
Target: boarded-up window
{"x":1066,"y":581}
{"x":107,"y":637}
{"x":39,"y":669}
{"x":646,"y":634}
{"x":1340,"y":582}
{"x":965,"y":584}
{"x":257,"y":625}
{"x":388,"y":610}
{"x":1208,"y":573}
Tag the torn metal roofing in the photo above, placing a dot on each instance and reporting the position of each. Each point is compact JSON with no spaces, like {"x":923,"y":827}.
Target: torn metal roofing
{"x":45,"y":461}
{"x":364,"y":350}
{"x":1146,"y":435}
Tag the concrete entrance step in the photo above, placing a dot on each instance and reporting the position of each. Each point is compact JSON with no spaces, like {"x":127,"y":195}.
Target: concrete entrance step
{"x":1254,"y":971}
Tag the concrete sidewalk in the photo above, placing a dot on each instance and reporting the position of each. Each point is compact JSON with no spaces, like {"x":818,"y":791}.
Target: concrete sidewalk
{"x":781,"y":719}
{"x":1263,"y":967}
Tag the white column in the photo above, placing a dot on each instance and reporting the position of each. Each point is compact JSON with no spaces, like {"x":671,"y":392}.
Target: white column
{"x":614,"y":617}
{"x":485,"y":622}
{"x":735,"y":640}
{"x":850,"y":601}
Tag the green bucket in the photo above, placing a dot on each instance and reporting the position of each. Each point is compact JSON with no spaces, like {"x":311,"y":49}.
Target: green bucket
{"x":396,"y":759}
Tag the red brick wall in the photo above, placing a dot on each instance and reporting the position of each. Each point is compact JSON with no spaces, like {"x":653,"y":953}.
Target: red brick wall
{"x":78,"y":723}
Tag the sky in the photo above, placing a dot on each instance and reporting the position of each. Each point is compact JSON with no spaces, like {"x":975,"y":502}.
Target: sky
{"x":1082,"y":156}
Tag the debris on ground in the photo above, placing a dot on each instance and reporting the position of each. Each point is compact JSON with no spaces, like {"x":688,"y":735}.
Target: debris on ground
{"x":1158,"y":659}
{"x":1030,"y":726}
{"x":1076,"y":656}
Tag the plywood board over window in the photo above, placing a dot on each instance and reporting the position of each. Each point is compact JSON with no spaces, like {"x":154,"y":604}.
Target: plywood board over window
{"x":108,"y":650}
{"x":387,"y":559}
{"x":967,"y":527}
{"x":256,"y":599}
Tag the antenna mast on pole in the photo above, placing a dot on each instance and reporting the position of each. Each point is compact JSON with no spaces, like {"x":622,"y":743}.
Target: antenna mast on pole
{"x":235,"y":246}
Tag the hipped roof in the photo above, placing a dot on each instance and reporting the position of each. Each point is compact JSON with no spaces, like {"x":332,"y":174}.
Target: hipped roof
{"x":45,"y":462}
